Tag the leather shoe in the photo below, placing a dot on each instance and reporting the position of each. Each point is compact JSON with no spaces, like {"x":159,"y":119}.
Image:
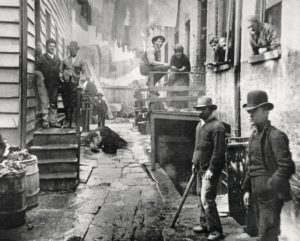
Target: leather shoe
{"x":200,"y":229}
{"x":55,"y":125}
{"x":215,"y":236}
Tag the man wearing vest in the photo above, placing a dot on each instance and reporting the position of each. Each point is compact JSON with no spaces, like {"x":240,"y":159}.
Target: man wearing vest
{"x":151,"y":60}
{"x":208,"y":161}
{"x":269,"y":167}
{"x":72,"y":71}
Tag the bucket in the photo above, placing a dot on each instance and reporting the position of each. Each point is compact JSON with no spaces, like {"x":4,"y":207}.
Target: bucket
{"x":110,"y":148}
{"x":12,"y":200}
{"x":32,"y":182}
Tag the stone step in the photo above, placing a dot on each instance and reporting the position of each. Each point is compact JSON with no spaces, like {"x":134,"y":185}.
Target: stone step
{"x":54,"y":151}
{"x":57,"y":166}
{"x":55,"y":136}
{"x":58,"y":181}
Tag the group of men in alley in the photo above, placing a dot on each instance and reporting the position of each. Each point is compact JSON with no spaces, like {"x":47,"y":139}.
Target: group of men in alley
{"x":269,"y":162}
{"x":54,"y":75}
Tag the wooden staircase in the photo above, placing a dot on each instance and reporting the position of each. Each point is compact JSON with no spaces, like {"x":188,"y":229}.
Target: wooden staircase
{"x":58,"y":152}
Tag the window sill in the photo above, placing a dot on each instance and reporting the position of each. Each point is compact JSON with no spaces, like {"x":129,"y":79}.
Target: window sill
{"x":221,"y":68}
{"x":274,"y":54}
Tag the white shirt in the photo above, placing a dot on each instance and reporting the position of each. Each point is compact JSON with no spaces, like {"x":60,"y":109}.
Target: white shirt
{"x":73,"y":59}
{"x":51,"y":55}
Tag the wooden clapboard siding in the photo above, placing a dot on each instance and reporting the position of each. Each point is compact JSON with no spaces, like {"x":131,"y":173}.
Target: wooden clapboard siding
{"x":9,"y":90}
{"x":9,"y":3}
{"x":9,"y":120}
{"x":9,"y":45}
{"x":9,"y":30}
{"x":12,"y":135}
{"x":9,"y":60}
{"x":11,"y":105}
{"x":9,"y":75}
{"x":9,"y":15}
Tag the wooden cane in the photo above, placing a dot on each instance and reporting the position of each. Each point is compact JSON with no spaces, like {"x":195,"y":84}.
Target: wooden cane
{"x":183,"y":199}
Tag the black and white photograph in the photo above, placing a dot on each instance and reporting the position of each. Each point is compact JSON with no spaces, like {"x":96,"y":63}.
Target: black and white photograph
{"x":149,"y":120}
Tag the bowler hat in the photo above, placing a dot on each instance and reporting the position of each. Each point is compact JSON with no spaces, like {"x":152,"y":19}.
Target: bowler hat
{"x":205,"y":101}
{"x":257,"y":98}
{"x":157,"y":37}
{"x":74,"y":44}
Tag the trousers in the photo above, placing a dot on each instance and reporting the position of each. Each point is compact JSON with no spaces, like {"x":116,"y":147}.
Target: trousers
{"x":69,"y":97}
{"x":267,"y":207}
{"x":207,"y":192}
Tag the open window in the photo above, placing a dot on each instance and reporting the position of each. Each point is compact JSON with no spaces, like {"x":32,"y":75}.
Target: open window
{"x":270,"y":13}
{"x":221,"y":44}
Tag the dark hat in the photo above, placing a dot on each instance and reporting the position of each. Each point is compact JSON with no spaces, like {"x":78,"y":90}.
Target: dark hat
{"x":100,"y":94}
{"x":205,"y":101}
{"x":257,"y":98}
{"x":74,"y":44}
{"x":50,"y":41}
{"x":157,"y":37}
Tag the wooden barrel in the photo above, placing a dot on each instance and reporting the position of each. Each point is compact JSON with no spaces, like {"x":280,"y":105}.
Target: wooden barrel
{"x":12,"y":200}
{"x":32,"y":181}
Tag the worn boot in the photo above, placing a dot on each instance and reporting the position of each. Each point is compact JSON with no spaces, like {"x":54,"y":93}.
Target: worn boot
{"x":45,"y":122}
{"x":53,"y":117}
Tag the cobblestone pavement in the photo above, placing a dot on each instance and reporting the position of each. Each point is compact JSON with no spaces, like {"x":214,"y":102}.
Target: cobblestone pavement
{"x":121,"y":201}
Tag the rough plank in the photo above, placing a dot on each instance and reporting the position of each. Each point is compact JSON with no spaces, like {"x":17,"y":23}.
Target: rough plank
{"x":9,"y":120}
{"x":9,"y":105}
{"x":11,"y":135}
{"x":9,"y":75}
{"x":30,"y":115}
{"x":9,"y":90}
{"x":31,"y":28}
{"x":10,"y":3}
{"x":30,"y":67}
{"x":9,"y":30}
{"x":30,"y":14}
{"x":9,"y":45}
{"x":31,"y":102}
{"x":9,"y":15}
{"x":9,"y":60}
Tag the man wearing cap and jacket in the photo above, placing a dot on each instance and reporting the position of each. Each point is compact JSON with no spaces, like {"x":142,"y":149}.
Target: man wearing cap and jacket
{"x":269,"y":167}
{"x":208,"y":162}
{"x":151,"y":60}
{"x":48,"y":68}
{"x":72,"y":70}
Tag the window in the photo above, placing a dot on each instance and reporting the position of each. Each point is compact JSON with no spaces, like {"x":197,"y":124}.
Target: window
{"x":272,"y":13}
{"x":188,"y":37}
{"x":48,"y":25}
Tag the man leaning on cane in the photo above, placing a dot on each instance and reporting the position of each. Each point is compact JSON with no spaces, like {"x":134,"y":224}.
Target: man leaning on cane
{"x":269,"y":167}
{"x":208,"y":160}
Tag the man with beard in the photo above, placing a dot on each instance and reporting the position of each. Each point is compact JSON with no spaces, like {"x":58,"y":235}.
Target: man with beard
{"x":72,"y":71}
{"x":263,"y":36}
{"x":48,"y":64}
{"x":269,"y":167}
{"x":208,"y":162}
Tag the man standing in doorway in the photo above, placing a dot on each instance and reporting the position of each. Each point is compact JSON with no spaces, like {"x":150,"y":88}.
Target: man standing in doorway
{"x":269,"y":167}
{"x":72,"y":71}
{"x":150,"y":61}
{"x":208,"y":162}
{"x":48,"y":64}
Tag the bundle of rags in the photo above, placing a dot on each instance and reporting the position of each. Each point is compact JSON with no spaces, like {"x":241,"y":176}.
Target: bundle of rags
{"x":101,"y":136}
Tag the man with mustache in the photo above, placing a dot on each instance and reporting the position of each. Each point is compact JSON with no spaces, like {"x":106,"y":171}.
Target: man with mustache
{"x":269,"y":167}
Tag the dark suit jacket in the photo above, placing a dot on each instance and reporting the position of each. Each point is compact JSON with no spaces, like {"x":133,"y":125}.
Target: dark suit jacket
{"x":50,"y":69}
{"x":277,"y":160}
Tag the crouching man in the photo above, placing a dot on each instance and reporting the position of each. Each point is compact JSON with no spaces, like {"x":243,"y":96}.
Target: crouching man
{"x":269,"y":167}
{"x":208,"y":162}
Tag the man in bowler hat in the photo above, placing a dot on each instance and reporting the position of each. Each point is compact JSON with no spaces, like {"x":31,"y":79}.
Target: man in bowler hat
{"x":269,"y":167}
{"x":72,"y":71}
{"x":151,"y":60}
{"x":208,"y":162}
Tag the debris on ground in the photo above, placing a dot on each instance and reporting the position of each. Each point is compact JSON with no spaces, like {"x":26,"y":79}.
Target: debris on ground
{"x":10,"y":167}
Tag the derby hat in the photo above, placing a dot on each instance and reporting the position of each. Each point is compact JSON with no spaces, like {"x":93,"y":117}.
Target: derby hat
{"x":157,"y":37}
{"x":74,"y":44}
{"x":205,"y":101}
{"x":257,"y":98}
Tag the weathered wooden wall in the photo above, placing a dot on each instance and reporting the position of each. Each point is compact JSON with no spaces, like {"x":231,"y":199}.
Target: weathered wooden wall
{"x":18,"y":37}
{"x":119,"y":94}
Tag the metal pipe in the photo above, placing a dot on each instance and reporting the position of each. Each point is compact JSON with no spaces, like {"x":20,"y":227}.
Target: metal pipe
{"x":237,"y":64}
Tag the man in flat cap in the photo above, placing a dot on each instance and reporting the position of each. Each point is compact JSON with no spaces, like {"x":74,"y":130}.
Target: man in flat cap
{"x":269,"y":167}
{"x":48,"y":68}
{"x":263,"y":36}
{"x":208,"y":162}
{"x":151,"y":60}
{"x":72,"y":70}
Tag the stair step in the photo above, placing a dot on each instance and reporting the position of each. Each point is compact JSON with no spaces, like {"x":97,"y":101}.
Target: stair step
{"x":62,"y":175}
{"x":55,"y":151}
{"x":59,"y":160}
{"x":57,"y":167}
{"x":55,"y":136}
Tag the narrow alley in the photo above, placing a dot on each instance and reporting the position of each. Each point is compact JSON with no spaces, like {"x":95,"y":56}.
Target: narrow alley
{"x":118,"y":199}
